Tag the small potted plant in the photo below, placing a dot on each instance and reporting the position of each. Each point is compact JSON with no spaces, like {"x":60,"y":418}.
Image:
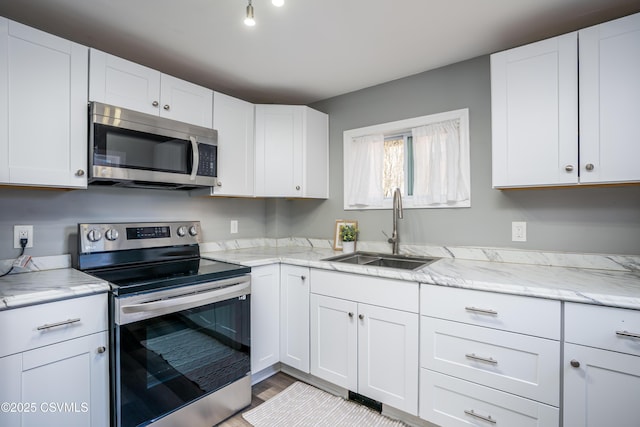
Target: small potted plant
{"x":348,"y":234}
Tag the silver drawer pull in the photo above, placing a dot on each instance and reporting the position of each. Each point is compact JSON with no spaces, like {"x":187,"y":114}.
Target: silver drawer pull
{"x":482,"y":417}
{"x":53,"y":325}
{"x":472,"y":356}
{"x":482,"y":310}
{"x":627,"y":334}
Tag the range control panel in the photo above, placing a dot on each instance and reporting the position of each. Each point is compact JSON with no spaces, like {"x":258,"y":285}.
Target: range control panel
{"x":122,"y":236}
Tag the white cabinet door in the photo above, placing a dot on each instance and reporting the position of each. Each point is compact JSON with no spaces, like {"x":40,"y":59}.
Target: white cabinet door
{"x":42,"y":73}
{"x":292,"y":152}
{"x":126,"y":84}
{"x":186,"y":102}
{"x":388,"y":356}
{"x":610,"y":101}
{"x":265,"y":317}
{"x":60,"y":384}
{"x":334,"y":339}
{"x":534,"y":110}
{"x":10,"y":372}
{"x":602,"y":389}
{"x":123,"y":83}
{"x":279,"y":134}
{"x":294,"y":317}
{"x":234,"y":120}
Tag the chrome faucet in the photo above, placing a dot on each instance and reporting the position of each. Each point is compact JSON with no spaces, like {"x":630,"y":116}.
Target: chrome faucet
{"x":397,"y":213}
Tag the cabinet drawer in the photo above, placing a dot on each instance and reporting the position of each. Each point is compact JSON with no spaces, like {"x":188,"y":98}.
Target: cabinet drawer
{"x":451,"y":402}
{"x":610,"y":328}
{"x":35,"y":326}
{"x":390,"y":293}
{"x":519,"y":364}
{"x":525,"y":315}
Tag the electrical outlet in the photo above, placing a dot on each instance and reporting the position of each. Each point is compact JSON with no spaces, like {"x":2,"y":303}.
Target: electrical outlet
{"x":234,"y":226}
{"x":518,"y":231}
{"x":21,"y":232}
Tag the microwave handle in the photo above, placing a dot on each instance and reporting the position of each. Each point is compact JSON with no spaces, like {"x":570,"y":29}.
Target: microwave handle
{"x":196,"y":158}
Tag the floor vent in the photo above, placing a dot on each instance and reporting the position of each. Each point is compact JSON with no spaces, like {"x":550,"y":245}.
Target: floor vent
{"x":366,"y":401}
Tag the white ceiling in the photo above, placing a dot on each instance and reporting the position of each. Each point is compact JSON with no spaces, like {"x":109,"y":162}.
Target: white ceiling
{"x":308,"y":50}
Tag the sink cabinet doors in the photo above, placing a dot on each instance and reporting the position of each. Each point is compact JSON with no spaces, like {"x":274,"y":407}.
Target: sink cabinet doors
{"x":361,"y":345}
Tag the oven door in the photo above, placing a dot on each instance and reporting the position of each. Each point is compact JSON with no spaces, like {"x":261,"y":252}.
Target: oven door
{"x":175,"y":347}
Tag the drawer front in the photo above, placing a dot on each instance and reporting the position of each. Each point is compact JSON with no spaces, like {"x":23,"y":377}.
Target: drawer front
{"x":519,"y":364}
{"x":390,"y":293}
{"x":609,"y":328}
{"x":525,"y":315}
{"x":451,"y":402}
{"x":39,"y":325}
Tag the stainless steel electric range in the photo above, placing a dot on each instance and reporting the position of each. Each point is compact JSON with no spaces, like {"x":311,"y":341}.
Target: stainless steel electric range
{"x":180,"y":334}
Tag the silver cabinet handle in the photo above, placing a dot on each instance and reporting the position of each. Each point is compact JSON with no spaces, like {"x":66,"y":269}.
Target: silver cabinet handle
{"x":166,"y":107}
{"x":196,"y":158}
{"x":628,"y":334}
{"x":589,"y":167}
{"x":350,"y":314}
{"x":575,"y":363}
{"x":219,"y":183}
{"x":569,"y":168}
{"x":482,"y":310}
{"x":297,"y":187}
{"x":303,"y":277}
{"x":80,"y":172}
{"x":101,"y":349}
{"x":361,"y":316}
{"x":482,"y":417}
{"x":54,"y":325}
{"x":490,"y":360}
{"x":155,"y":103}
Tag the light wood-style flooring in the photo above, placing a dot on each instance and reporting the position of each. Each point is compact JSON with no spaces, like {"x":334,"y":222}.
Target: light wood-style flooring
{"x":260,"y":393}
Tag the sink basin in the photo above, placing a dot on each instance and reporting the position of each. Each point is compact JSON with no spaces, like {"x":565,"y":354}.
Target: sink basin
{"x":403,"y":262}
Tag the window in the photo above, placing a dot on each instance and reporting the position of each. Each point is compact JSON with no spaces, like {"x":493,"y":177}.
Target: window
{"x":426,"y":157}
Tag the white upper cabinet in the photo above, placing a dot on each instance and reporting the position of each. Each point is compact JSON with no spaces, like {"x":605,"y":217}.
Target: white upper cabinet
{"x":123,"y":83}
{"x":234,"y":120}
{"x":610,"y":101}
{"x":292,"y":152}
{"x":43,"y":108}
{"x":535,"y":110}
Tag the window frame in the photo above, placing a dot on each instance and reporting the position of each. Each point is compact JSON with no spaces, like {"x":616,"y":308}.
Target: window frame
{"x":403,"y":127}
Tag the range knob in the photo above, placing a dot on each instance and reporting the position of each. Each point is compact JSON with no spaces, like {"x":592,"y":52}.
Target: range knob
{"x":182,"y":230}
{"x":193,"y":231}
{"x":94,"y":235}
{"x":111,"y":234}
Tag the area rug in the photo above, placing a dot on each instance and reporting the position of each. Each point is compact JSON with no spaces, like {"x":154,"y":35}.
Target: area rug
{"x":303,"y":405}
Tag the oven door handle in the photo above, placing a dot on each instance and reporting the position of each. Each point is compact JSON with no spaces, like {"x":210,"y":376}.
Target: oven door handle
{"x":184,"y":301}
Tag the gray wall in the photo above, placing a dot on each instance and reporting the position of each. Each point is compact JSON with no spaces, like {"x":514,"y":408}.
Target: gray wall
{"x":596,"y":220}
{"x":55,"y":214}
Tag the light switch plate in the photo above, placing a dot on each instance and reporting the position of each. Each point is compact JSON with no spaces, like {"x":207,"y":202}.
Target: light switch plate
{"x":518,"y":231}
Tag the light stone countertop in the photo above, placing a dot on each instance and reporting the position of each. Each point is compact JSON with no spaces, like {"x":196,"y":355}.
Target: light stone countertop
{"x":37,"y":287}
{"x":610,"y":280}
{"x":616,"y":288}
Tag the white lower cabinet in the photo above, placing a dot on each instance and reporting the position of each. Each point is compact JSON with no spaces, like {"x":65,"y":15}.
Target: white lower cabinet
{"x":365,"y":347}
{"x":265,"y":317}
{"x":601,"y":366}
{"x":484,"y":361}
{"x":59,"y":375}
{"x":294,"y":317}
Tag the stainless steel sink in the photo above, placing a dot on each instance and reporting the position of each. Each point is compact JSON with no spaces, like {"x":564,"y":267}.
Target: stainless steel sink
{"x":403,"y":262}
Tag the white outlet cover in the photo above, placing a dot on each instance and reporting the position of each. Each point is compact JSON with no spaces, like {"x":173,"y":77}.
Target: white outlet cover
{"x":518,"y":231}
{"x":17,"y":229}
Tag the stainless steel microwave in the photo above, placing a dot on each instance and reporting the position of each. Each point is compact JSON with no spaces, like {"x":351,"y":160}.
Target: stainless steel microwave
{"x":133,"y":149}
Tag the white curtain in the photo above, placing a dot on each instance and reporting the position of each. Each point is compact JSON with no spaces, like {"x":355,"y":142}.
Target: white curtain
{"x":365,"y":189}
{"x":439,"y":164}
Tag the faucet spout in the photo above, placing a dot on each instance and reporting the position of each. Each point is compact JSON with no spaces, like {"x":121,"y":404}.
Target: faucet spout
{"x":397,"y":213}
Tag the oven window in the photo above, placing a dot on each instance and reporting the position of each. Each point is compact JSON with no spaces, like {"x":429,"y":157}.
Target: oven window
{"x":168,"y":361}
{"x":119,"y":147}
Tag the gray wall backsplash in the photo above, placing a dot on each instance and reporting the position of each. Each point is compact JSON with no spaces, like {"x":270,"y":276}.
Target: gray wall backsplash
{"x":594,"y":220}
{"x":55,"y":214}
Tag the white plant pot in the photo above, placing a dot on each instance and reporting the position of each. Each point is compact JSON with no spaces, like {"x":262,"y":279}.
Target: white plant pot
{"x":348,"y":247}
